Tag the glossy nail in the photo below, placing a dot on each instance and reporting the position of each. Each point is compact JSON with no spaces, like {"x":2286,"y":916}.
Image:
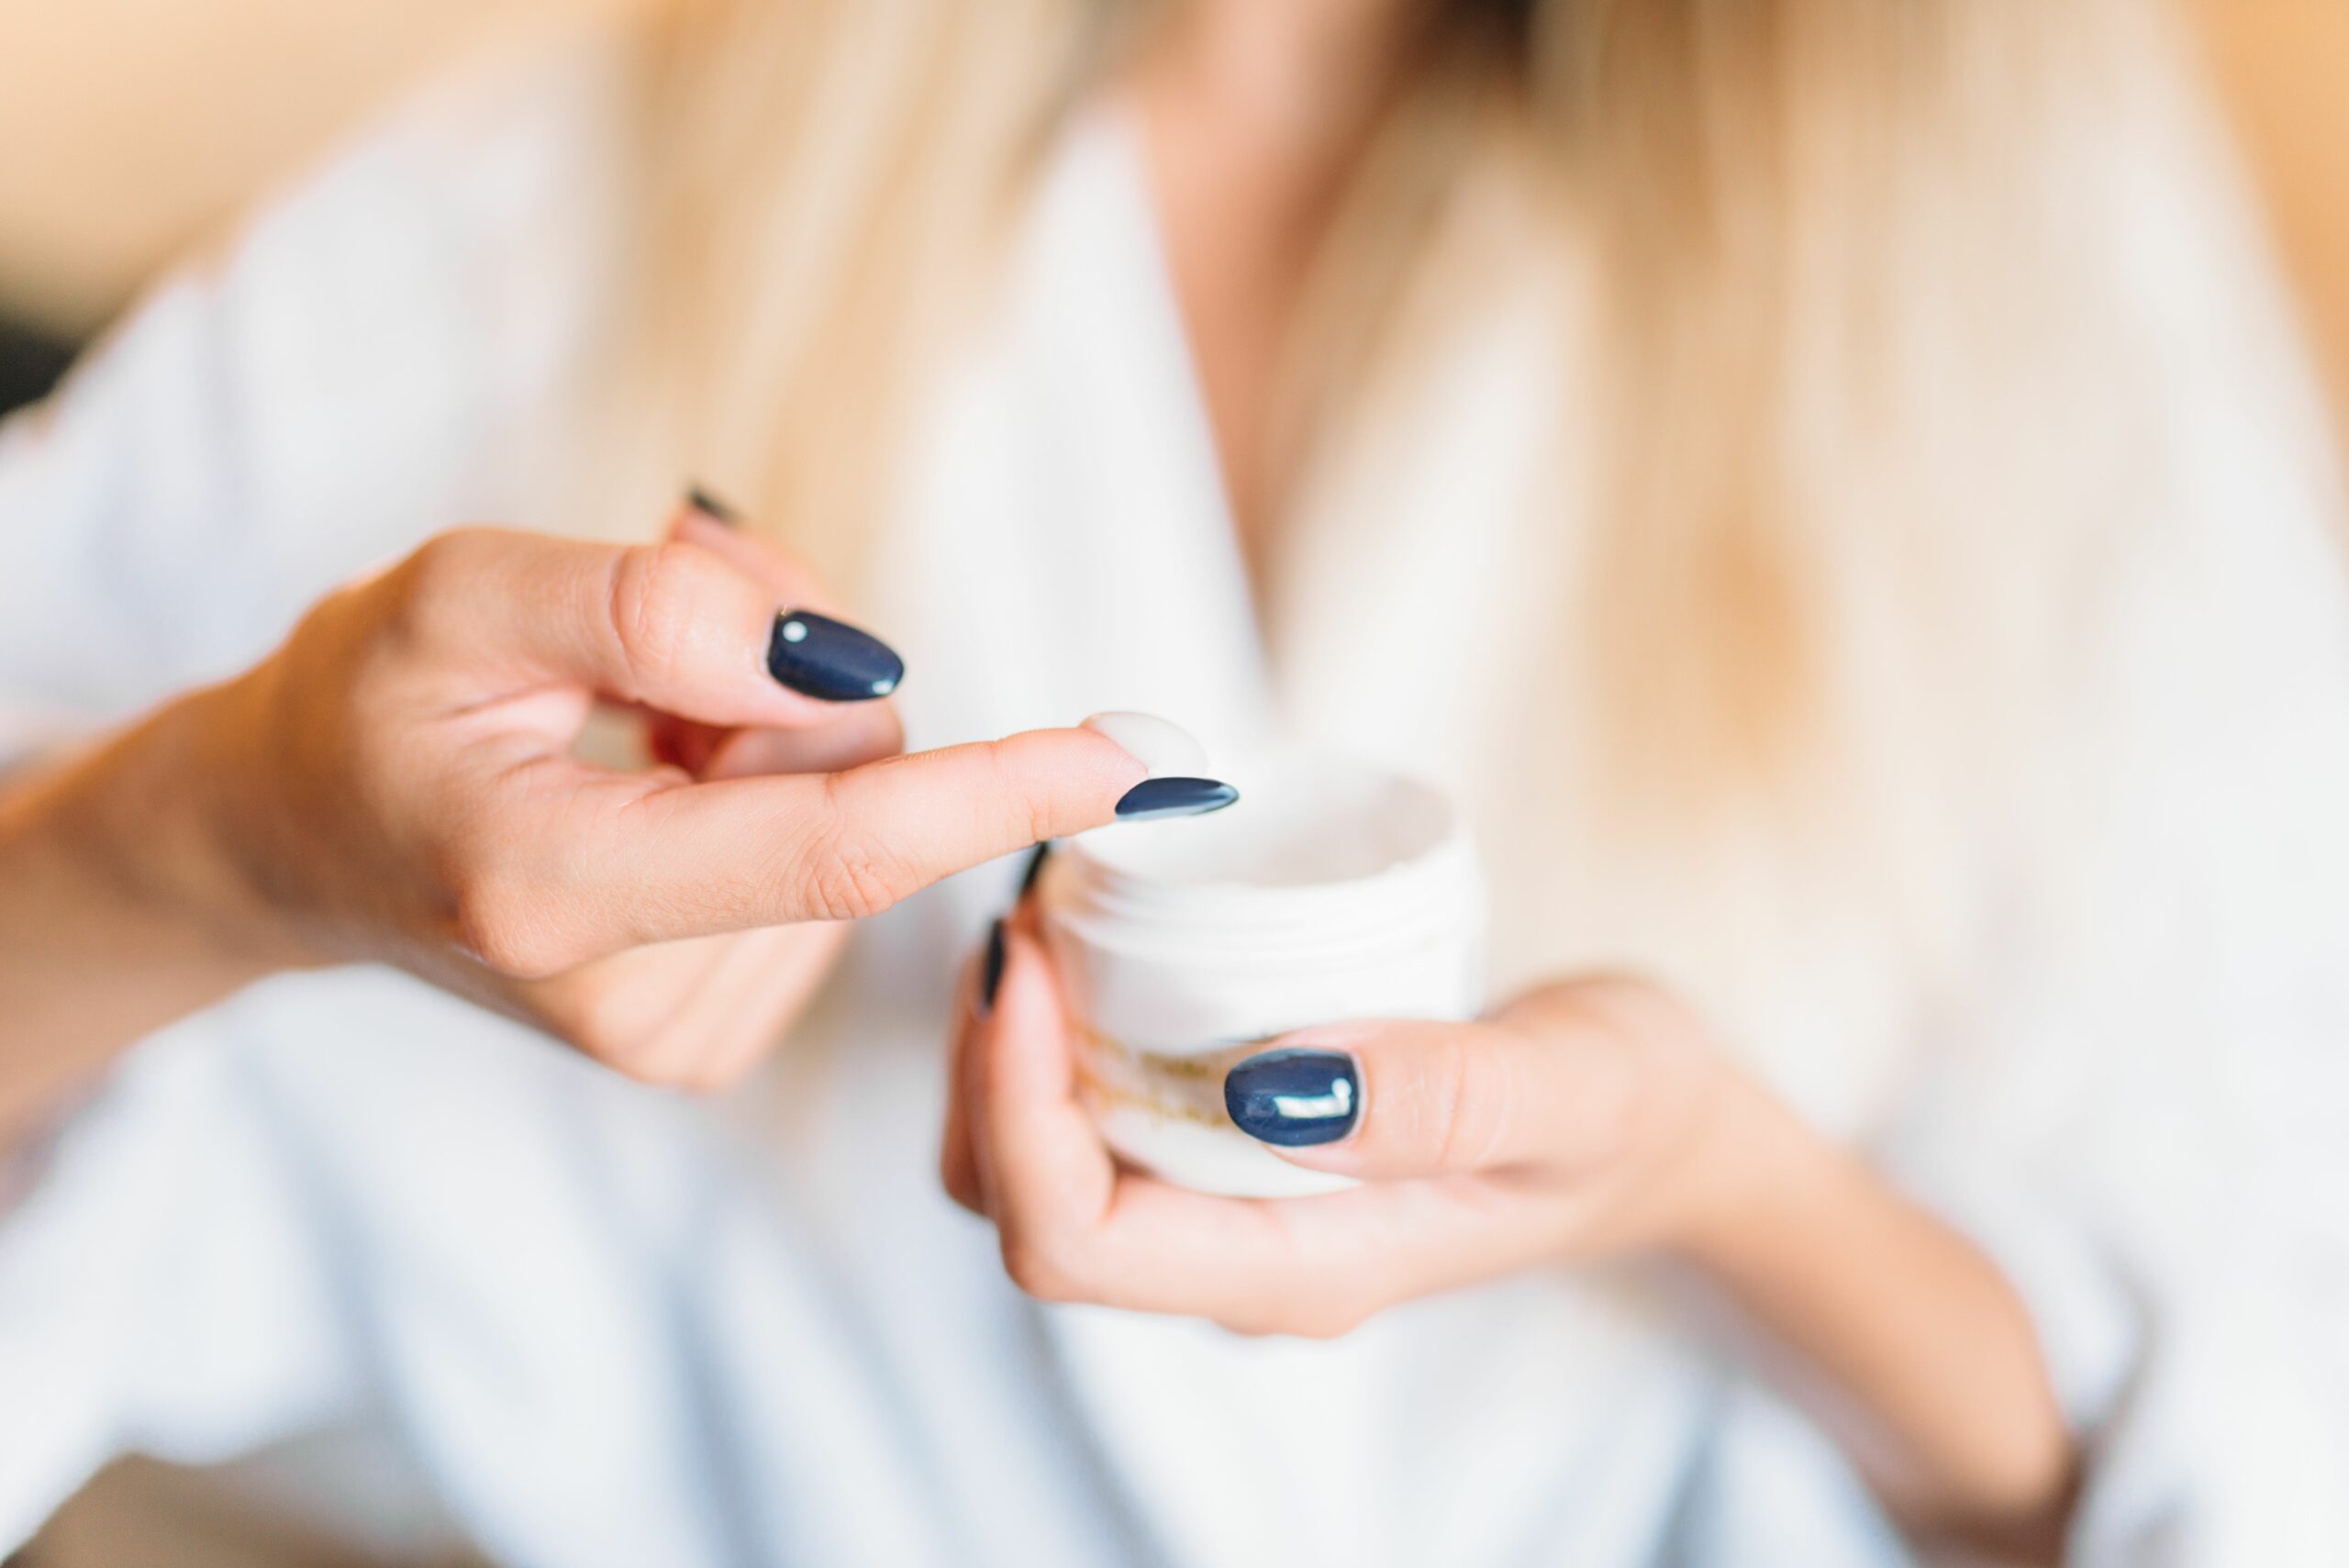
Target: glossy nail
{"x":710,"y":506}
{"x":831,"y":659}
{"x":1153,"y":799}
{"x":1036,"y":859}
{"x":991,"y":969}
{"x":1293,"y":1097}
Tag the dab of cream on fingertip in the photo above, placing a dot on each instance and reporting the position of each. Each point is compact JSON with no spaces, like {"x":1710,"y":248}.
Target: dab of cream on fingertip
{"x":1165,"y":749}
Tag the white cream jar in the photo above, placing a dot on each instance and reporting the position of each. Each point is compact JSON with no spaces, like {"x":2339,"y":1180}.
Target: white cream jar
{"x":1331,"y":890}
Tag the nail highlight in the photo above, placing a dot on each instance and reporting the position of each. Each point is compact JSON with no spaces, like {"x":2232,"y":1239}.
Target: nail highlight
{"x":1153,"y":799}
{"x":1293,"y":1097}
{"x":832,"y":660}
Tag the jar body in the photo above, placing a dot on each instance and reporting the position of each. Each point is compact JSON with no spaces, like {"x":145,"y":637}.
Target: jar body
{"x":1183,"y":948}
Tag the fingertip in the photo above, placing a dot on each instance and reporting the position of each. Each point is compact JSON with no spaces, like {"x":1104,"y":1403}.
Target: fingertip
{"x":1294,"y":1098}
{"x":831,"y":659}
{"x":962,"y":1186}
{"x":1344,"y":1098}
{"x":1097,"y":754}
{"x":1072,"y":779}
{"x":927,"y":815}
{"x":1119,"y":768}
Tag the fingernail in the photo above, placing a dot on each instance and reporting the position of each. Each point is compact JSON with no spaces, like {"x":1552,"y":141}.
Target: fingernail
{"x":1293,"y":1097}
{"x":1036,"y":859}
{"x":991,"y":969}
{"x":1165,"y":748}
{"x":831,"y":659}
{"x":1175,"y":798}
{"x":710,"y":506}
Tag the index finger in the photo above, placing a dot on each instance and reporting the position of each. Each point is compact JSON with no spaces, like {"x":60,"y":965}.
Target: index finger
{"x":621,"y":860}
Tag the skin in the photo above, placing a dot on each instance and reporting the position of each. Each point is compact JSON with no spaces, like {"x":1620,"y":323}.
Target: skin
{"x":1587,"y":1121}
{"x":397,"y":784}
{"x":1594,"y":1118}
{"x":1252,"y":120}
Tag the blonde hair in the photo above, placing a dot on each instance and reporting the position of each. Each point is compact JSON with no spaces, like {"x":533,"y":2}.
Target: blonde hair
{"x":1840,"y":281}
{"x":822,"y":189}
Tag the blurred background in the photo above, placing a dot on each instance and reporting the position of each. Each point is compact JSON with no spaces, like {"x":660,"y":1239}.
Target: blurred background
{"x":130,"y":130}
{"x":133,"y":131}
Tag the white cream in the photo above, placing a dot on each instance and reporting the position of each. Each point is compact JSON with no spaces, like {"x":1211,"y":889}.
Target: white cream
{"x":1167,"y":750}
{"x":1330,"y":892}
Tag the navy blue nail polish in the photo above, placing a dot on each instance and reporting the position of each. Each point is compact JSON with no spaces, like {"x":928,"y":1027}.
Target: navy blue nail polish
{"x":991,"y":969}
{"x":1293,"y":1097}
{"x":1036,"y":859}
{"x":710,"y":506}
{"x":1175,"y":798}
{"x":832,"y":660}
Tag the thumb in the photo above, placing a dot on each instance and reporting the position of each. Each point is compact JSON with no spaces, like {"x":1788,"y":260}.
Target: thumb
{"x":677,"y":626}
{"x":1403,"y":1099}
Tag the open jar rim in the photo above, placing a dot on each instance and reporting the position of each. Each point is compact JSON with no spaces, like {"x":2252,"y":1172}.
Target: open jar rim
{"x":1322,"y":855}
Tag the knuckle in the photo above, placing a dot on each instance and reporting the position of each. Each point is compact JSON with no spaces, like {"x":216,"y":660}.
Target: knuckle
{"x":1040,"y":1270}
{"x":597,"y":1033}
{"x":424,"y":587}
{"x":630,"y":1030}
{"x":1325,"y":1323}
{"x":716,"y":1074}
{"x":844,"y":874}
{"x":379,"y":671}
{"x":1466,"y":1117}
{"x":439,"y":560}
{"x":503,"y":924}
{"x":848,"y":887}
{"x":1294,"y":1319}
{"x":695,"y":1075}
{"x":1347,"y":1302}
{"x":600,"y":1024}
{"x":959,"y":1182}
{"x":648,"y":1056}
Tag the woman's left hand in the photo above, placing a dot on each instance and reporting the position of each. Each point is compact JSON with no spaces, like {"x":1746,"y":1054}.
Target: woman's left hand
{"x":1586,"y":1119}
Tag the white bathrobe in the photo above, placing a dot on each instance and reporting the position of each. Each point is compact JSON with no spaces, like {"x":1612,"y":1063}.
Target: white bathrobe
{"x":610,"y":1324}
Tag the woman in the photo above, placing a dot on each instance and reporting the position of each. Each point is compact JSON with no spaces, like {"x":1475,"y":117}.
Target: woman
{"x":1826,"y":484}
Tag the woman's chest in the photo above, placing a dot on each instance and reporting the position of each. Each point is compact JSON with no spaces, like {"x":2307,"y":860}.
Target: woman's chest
{"x":1061,"y":546}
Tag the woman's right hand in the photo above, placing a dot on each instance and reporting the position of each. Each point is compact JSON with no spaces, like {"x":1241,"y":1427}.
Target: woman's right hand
{"x":397,"y":783}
